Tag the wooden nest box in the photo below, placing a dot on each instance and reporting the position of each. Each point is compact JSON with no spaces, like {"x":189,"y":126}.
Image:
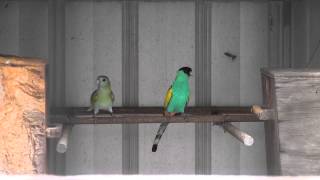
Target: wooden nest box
{"x":293,"y":137}
{"x":22,"y":115}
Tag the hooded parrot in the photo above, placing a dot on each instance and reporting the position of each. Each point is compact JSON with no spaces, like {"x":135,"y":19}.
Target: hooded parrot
{"x":176,"y":99}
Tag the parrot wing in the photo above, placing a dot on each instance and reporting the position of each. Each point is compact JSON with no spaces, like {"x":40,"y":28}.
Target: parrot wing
{"x":168,"y":97}
{"x":94,"y":97}
{"x":112,"y":96}
{"x":187,"y":101}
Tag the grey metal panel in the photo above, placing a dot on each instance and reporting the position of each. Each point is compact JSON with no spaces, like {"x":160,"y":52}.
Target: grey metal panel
{"x":225,"y":82}
{"x":107,"y":44}
{"x":314,"y":29}
{"x":203,"y":84}
{"x":130,"y":69}
{"x":9,"y":27}
{"x":254,"y":55}
{"x":33,"y":29}
{"x":80,"y":153}
{"x":107,"y":23}
{"x":276,"y":58}
{"x":107,"y":153}
{"x":166,"y":42}
{"x":287,"y":29}
{"x":79,"y":83}
{"x":299,"y":34}
{"x":175,"y":154}
{"x":56,"y":74}
{"x":93,"y":47}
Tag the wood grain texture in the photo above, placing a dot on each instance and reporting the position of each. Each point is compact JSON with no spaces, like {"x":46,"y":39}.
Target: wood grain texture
{"x":297,"y":104}
{"x":271,"y":127}
{"x":243,"y":137}
{"x":80,"y":115}
{"x":22,"y":116}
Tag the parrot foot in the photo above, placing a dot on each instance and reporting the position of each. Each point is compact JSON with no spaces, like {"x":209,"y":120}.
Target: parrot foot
{"x":154,"y":147}
{"x":169,"y":114}
{"x":94,"y":118}
{"x":184,"y":115}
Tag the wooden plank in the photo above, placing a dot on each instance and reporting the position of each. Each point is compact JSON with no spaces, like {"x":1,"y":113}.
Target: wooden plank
{"x":291,"y":72}
{"x":271,"y":128}
{"x":155,"y":118}
{"x":298,"y":112}
{"x":154,"y":110}
{"x":295,"y":163}
{"x":154,"y":115}
{"x":294,"y":135}
{"x":300,"y":97}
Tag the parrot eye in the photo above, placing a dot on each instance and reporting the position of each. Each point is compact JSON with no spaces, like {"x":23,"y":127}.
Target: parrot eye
{"x":103,"y":80}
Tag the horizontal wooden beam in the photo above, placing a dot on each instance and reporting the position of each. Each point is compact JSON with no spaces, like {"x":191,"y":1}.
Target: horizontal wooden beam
{"x":122,"y":115}
{"x":153,"y":110}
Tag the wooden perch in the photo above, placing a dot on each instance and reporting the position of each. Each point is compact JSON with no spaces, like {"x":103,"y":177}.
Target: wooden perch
{"x":54,"y":131}
{"x":243,"y":137}
{"x":62,"y":144}
{"x":263,"y":114}
{"x":256,"y":109}
{"x":123,"y":115}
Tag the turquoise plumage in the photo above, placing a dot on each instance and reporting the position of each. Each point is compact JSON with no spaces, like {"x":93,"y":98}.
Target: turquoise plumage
{"x":176,"y":100}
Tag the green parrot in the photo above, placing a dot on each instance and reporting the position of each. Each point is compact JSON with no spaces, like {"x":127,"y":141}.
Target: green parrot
{"x":176,"y":99}
{"x":102,"y":97}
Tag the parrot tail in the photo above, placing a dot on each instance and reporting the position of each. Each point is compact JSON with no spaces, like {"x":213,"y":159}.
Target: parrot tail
{"x":160,"y":132}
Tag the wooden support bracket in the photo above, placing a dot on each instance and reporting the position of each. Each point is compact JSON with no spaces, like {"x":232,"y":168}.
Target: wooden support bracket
{"x":263,"y":114}
{"x":243,"y":137}
{"x":54,"y":131}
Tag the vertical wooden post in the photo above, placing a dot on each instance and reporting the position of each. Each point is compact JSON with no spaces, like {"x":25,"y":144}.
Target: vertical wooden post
{"x":22,"y":115}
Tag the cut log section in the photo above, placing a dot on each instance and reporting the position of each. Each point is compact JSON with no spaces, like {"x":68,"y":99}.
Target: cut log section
{"x":243,"y":137}
{"x":22,"y":115}
{"x":62,"y":144}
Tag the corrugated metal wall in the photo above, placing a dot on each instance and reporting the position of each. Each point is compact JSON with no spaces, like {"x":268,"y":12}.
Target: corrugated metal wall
{"x":84,"y":38}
